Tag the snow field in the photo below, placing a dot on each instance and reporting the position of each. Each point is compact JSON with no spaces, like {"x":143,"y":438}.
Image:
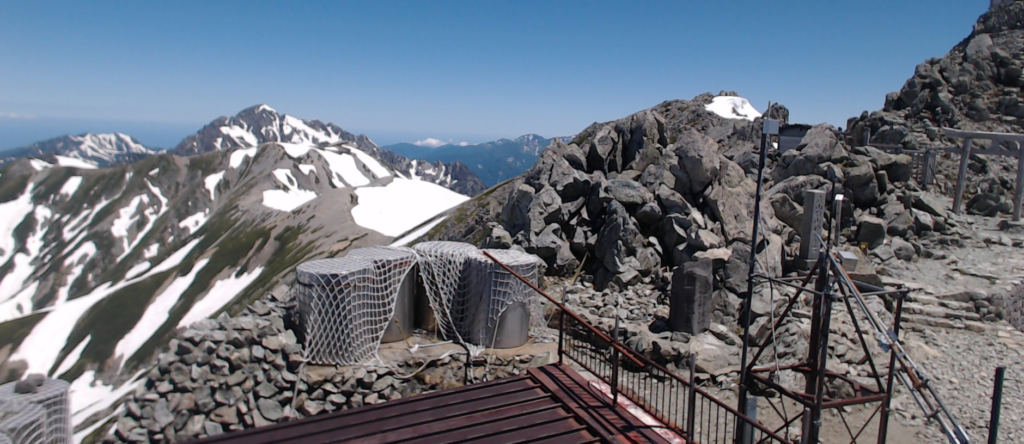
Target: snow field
{"x":402,"y":205}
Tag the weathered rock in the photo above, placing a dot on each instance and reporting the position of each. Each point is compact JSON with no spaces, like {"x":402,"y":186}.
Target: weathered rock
{"x":227,"y":415}
{"x":270,"y":409}
{"x":789,"y":212}
{"x":903,"y":249}
{"x":930,"y":205}
{"x":698,"y":162}
{"x":628,"y":192}
{"x":871,"y":230}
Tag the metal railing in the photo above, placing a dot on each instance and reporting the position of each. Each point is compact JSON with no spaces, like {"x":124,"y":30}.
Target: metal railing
{"x":678,"y":403}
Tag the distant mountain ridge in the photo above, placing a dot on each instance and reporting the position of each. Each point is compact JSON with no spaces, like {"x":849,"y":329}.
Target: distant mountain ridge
{"x":96,"y":150}
{"x":247,"y":129}
{"x":494,"y":161}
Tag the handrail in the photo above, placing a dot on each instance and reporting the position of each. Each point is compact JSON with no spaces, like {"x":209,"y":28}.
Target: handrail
{"x":604,"y":337}
{"x":637,"y":358}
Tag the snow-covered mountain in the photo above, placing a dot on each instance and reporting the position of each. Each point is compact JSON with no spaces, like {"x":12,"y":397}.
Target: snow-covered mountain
{"x":261,"y":124}
{"x":98,"y":267}
{"x":83,"y":151}
{"x":494,"y":161}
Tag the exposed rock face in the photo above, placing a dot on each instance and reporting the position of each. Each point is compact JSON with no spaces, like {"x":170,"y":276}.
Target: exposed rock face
{"x":976,"y":86}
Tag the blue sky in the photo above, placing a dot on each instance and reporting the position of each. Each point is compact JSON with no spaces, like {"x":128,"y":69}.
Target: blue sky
{"x":458,"y":70}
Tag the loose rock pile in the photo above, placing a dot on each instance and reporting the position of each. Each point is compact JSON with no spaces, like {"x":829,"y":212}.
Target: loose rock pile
{"x":245,"y":371}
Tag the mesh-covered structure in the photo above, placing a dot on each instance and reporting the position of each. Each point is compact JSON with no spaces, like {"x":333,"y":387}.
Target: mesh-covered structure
{"x":347,"y":303}
{"x":443,"y":270}
{"x":23,"y":422}
{"x":499,"y":307}
{"x":401,"y":324}
{"x":52,"y":396}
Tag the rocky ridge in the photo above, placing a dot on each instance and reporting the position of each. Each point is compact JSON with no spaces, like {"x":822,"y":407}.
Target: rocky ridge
{"x":96,"y":150}
{"x":977,"y":86}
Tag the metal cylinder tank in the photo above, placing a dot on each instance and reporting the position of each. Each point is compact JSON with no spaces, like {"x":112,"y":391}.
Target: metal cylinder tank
{"x":401,"y":263}
{"x":22,"y":422}
{"x":335,"y":307}
{"x":441,"y":305}
{"x":501,"y":305}
{"x":52,"y":396}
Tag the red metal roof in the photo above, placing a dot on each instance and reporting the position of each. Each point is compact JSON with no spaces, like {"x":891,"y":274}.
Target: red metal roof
{"x":548,"y":404}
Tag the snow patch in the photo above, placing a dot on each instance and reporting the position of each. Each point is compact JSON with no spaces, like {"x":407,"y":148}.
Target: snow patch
{"x":137,"y":269}
{"x":375,"y":167}
{"x":72,"y":358}
{"x":344,"y":166}
{"x":150,"y":251}
{"x":295,"y":150}
{"x":77,"y":262}
{"x":306,"y":169}
{"x":156,"y":314}
{"x":213,"y":180}
{"x":222,"y":292}
{"x":731,"y":107}
{"x":194,"y":222}
{"x":72,"y":162}
{"x":402,"y":205}
{"x":15,"y":292}
{"x":290,"y":199}
{"x":11,"y":215}
{"x":71,"y":186}
{"x":237,"y":156}
{"x":241,"y":136}
{"x":38,"y":165}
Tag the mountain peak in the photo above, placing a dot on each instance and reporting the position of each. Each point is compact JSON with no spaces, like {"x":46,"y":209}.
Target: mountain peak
{"x":259,"y":124}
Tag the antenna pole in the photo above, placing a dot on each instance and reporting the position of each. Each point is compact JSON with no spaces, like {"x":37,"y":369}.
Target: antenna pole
{"x":768,"y":127}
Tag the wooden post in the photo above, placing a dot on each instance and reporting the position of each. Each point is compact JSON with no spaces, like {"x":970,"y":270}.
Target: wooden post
{"x":1018,"y":194}
{"x":961,"y":178}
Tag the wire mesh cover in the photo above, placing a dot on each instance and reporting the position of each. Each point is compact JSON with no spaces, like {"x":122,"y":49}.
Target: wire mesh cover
{"x":499,"y":308}
{"x":52,"y":397}
{"x":401,"y":323}
{"x":347,"y":303}
{"x":23,"y":422}
{"x":442,"y":267}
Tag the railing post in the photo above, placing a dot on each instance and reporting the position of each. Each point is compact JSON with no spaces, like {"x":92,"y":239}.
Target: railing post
{"x":997,"y":401}
{"x":691,"y":401}
{"x":561,"y":334}
{"x":615,"y":363}
{"x":961,"y":177}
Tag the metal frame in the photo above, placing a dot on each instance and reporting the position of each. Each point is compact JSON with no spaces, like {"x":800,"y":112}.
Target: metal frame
{"x":998,"y":141}
{"x":676,"y":402}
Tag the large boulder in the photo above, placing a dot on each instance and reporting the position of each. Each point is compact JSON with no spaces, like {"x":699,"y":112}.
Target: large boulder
{"x":516,"y":211}
{"x":628,"y":192}
{"x":731,"y":202}
{"x":871,"y":230}
{"x":618,"y":241}
{"x":698,"y":162}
